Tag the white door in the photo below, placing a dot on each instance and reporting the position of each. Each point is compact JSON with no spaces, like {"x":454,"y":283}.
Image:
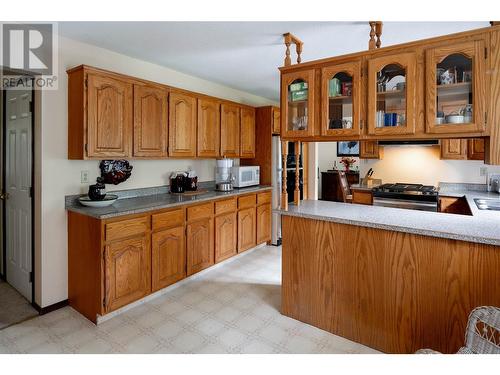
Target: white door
{"x":18,"y":150}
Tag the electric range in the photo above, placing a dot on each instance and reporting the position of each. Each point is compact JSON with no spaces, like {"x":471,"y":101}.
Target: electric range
{"x":411,"y":196}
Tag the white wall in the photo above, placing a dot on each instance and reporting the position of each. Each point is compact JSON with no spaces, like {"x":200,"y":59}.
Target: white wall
{"x":414,"y":164}
{"x":60,"y":176}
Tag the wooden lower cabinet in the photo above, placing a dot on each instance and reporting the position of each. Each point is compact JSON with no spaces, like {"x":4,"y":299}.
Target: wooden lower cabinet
{"x":114,"y":262}
{"x":168,"y":248}
{"x":263,"y":232}
{"x":200,"y":245}
{"x":362,"y":197}
{"x":226,"y":233}
{"x":246,"y":229}
{"x":127,"y":269}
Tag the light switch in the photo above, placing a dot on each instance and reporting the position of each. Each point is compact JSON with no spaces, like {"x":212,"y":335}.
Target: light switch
{"x":84,"y":177}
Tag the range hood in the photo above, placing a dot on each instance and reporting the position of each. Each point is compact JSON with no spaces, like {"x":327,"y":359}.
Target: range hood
{"x":427,"y":142}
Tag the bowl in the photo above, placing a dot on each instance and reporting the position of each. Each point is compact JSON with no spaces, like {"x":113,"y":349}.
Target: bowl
{"x":454,"y":119}
{"x":108,"y":200}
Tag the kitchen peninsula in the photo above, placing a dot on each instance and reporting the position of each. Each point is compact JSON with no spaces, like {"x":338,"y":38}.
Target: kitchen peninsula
{"x":395,"y":280}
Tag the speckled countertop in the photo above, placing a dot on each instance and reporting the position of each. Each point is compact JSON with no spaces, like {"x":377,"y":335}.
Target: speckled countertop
{"x":482,"y":227}
{"x":153,"y":199}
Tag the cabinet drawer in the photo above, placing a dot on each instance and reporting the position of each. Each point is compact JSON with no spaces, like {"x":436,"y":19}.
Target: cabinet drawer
{"x":228,"y":205}
{"x":200,"y":212}
{"x":170,"y":219}
{"x":264,"y":197}
{"x":248,"y":201}
{"x":127,"y":228}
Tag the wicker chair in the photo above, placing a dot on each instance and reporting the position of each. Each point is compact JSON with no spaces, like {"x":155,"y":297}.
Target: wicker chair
{"x":482,"y":335}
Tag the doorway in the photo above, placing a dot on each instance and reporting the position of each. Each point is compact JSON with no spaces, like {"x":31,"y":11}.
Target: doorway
{"x":16,"y":204}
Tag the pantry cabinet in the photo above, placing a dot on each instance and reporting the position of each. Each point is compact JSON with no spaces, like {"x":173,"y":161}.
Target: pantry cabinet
{"x":247,"y":133}
{"x":150,"y":121}
{"x":455,"y":96}
{"x":183,"y":124}
{"x":109,"y":117}
{"x":208,"y":144}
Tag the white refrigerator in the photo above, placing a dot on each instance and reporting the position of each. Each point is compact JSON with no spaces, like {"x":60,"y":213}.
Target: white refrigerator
{"x":276,"y":182}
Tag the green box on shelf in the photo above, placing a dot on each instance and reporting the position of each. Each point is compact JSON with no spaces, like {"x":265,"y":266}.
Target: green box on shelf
{"x":300,"y":86}
{"x":299,"y":95}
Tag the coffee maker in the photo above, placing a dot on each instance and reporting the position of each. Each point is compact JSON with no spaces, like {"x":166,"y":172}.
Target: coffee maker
{"x":223,"y":176}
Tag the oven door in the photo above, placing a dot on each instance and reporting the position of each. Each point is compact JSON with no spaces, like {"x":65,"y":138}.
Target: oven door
{"x":405,"y":203}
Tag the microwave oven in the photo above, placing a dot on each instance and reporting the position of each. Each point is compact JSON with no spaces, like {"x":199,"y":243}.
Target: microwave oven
{"x":246,"y":176}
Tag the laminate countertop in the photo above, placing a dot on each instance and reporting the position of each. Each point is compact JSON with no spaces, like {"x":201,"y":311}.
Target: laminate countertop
{"x":482,"y":227}
{"x":160,"y":199}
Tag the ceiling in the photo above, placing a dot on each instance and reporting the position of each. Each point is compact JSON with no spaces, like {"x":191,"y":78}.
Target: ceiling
{"x":243,"y":55}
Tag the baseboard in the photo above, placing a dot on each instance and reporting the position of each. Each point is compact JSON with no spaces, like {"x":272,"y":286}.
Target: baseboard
{"x":50,"y":308}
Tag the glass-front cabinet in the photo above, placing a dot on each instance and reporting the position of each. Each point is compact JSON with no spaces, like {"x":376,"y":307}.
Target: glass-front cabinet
{"x":455,"y":88}
{"x":297,"y":104}
{"x":392,"y":94}
{"x":340,"y":99}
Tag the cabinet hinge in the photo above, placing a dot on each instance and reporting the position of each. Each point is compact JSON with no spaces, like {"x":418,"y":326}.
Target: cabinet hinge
{"x":485,"y":52}
{"x":31,"y":276}
{"x":485,"y":118}
{"x":32,"y":107}
{"x":361,"y":124}
{"x":86,"y":82}
{"x":31,"y":192}
{"x":86,"y":148}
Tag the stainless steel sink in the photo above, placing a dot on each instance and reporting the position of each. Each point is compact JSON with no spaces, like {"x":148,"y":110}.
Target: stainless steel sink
{"x":488,"y":204}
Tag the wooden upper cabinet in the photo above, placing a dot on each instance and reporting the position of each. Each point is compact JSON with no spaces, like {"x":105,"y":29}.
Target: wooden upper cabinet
{"x":455,"y":95}
{"x":297,"y":104}
{"x":230,"y":131}
{"x":341,"y":99}
{"x":208,"y":144}
{"x":369,"y":150}
{"x":182,"y":125}
{"x":150,"y":121}
{"x":392,"y":97}
{"x":276,"y":120}
{"x":454,"y":149}
{"x":247,"y":133}
{"x":109,"y":117}
{"x":475,"y":149}
{"x":127,"y":272}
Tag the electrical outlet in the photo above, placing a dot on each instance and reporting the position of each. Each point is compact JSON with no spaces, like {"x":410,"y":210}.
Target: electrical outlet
{"x":84,"y":177}
{"x":483,"y":171}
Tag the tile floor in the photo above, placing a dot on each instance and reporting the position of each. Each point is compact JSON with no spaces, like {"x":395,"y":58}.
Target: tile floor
{"x":230,"y":309}
{"x":14,"y":308}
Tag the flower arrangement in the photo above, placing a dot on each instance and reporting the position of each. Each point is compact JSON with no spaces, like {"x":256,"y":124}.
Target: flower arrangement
{"x":347,"y":161}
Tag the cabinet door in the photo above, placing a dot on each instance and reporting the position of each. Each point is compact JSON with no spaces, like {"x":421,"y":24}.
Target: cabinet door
{"x":247,"y":133}
{"x":182,"y":129}
{"x":455,"y":97}
{"x":169,"y":257}
{"x":392,"y":98}
{"x":225,"y":236}
{"x":475,"y":149}
{"x":127,"y":272}
{"x":109,"y":117}
{"x":264,"y":223}
{"x":230,"y":131}
{"x":208,"y":128}
{"x":454,"y":149}
{"x":150,"y":122}
{"x":369,"y":150}
{"x":276,"y":120}
{"x":297,"y":104}
{"x":200,"y":245}
{"x":246,"y":229}
{"x":341,"y":99}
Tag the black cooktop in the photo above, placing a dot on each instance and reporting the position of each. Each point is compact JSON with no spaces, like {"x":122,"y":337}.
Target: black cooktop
{"x":406,"y":189}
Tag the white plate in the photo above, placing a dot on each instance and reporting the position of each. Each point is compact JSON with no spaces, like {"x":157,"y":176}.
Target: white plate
{"x":108,"y":200}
